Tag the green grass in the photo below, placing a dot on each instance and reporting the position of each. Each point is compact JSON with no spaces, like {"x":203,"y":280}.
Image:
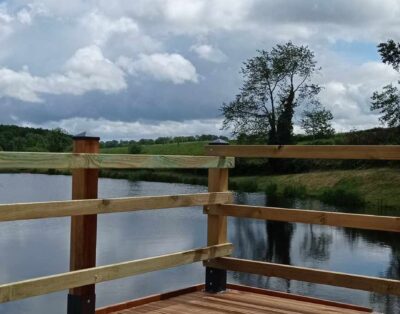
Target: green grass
{"x":376,"y":187}
{"x":187,"y":148}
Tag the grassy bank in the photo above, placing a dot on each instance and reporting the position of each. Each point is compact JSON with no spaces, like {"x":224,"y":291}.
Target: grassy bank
{"x":377,"y":187}
{"x":371,"y":187}
{"x":186,"y":148}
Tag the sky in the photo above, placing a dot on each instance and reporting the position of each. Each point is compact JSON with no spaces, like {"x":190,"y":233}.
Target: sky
{"x":126,"y":69}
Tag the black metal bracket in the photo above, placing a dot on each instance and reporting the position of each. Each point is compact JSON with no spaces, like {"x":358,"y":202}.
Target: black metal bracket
{"x":215,"y":280}
{"x":81,"y":304}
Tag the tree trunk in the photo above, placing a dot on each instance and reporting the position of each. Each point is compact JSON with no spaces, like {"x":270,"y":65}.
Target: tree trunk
{"x":285,"y":123}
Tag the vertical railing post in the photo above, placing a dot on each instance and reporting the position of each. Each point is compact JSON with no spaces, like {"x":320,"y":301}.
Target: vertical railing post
{"x":82,"y":300}
{"x":216,"y":227}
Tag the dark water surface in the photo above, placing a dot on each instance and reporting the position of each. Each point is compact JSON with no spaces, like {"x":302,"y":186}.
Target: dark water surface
{"x":37,"y":248}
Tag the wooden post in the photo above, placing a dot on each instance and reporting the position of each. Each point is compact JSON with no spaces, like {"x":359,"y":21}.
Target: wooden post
{"x":216,"y":228}
{"x":82,"y":300}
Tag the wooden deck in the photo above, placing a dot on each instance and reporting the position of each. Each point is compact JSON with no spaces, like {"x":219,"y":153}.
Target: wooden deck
{"x":246,"y":300}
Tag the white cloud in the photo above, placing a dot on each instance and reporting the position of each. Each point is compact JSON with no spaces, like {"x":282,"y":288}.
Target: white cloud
{"x":107,"y":129}
{"x":87,"y":70}
{"x":348,"y":94}
{"x":102,"y":28}
{"x":208,"y":52}
{"x":5,"y":23}
{"x":27,"y":14}
{"x":161,"y":66}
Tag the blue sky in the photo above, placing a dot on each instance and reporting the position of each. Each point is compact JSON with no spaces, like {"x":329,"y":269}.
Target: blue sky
{"x":149,"y":68}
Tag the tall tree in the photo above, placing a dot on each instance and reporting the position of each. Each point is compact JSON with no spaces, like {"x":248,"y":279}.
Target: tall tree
{"x":387,"y":101}
{"x":275,"y":82}
{"x":317,"y":121}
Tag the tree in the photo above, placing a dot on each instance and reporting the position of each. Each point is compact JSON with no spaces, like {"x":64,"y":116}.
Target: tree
{"x":134,"y":149}
{"x":317,"y":122}
{"x":390,"y":53}
{"x":58,"y":140}
{"x":387,"y":101}
{"x":274,"y":84}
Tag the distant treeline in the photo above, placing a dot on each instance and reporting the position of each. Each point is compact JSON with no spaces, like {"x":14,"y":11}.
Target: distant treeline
{"x":16,"y":138}
{"x":162,"y":140}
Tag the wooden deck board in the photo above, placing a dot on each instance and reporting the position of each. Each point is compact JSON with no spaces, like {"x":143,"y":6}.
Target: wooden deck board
{"x":234,"y":302}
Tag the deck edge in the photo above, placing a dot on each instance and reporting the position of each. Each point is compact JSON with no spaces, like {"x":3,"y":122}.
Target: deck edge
{"x":200,"y":287}
{"x":145,"y":300}
{"x":298,"y":297}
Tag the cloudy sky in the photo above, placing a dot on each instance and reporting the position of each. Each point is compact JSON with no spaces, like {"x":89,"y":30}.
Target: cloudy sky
{"x":149,"y":68}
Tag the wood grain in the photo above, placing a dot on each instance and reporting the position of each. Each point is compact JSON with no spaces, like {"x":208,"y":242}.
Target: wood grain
{"x":21,"y":211}
{"x":235,"y":302}
{"x":216,"y":224}
{"x":19,"y":160}
{"x":372,"y":284}
{"x":83,"y":236}
{"x":370,"y":222}
{"x":374,"y":152}
{"x":44,"y":285}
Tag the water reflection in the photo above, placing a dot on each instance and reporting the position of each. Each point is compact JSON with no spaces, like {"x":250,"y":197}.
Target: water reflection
{"x":321,"y":247}
{"x":31,"y":253}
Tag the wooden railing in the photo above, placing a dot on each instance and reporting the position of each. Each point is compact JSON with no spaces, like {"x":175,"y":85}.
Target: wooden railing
{"x":218,"y":204}
{"x":370,"y":222}
{"x":84,"y":208}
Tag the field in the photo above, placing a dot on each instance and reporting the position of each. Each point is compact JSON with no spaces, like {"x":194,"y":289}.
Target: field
{"x":186,"y":148}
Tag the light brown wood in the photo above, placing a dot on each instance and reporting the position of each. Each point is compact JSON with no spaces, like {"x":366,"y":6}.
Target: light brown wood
{"x":216,"y":224}
{"x":232,"y":302}
{"x":84,"y":227}
{"x":261,"y":294}
{"x":44,"y":285}
{"x":18,"y":160}
{"x":377,"y":152}
{"x":372,"y":284}
{"x":9,"y":212}
{"x":369,"y":222}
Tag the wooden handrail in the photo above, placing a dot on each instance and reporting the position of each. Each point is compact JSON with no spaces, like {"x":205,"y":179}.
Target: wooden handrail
{"x":372,"y":152}
{"x":372,"y":284}
{"x":21,"y":160}
{"x":44,"y":285}
{"x":10,"y":212}
{"x":370,"y":222}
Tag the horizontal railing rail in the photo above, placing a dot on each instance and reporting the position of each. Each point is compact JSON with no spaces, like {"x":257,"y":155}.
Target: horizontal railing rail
{"x":38,"y":210}
{"x":217,"y":205}
{"x":372,"y":284}
{"x":21,"y":160}
{"x":372,"y":152}
{"x":44,"y":285}
{"x":359,"y":221}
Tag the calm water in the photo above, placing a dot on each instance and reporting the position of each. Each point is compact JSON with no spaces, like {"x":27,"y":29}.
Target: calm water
{"x":37,"y":248}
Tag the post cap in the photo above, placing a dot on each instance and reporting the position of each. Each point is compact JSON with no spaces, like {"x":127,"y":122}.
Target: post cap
{"x":218,"y":142}
{"x":84,"y":136}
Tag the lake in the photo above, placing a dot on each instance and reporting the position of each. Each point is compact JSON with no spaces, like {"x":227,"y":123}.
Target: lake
{"x":41,"y":247}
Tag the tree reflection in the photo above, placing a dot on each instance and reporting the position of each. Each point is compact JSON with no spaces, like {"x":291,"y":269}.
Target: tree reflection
{"x":387,"y":303}
{"x":271,"y":245}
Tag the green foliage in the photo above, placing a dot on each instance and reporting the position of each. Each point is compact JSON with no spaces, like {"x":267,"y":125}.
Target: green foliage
{"x":189,"y":148}
{"x":317,"y":122}
{"x":162,"y":140}
{"x":295,"y":191}
{"x":15,"y":138}
{"x":275,"y":82}
{"x":390,"y":53}
{"x":344,"y":193}
{"x":247,"y":185}
{"x":387,"y":101}
{"x":271,"y":189}
{"x":135,"y":149}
